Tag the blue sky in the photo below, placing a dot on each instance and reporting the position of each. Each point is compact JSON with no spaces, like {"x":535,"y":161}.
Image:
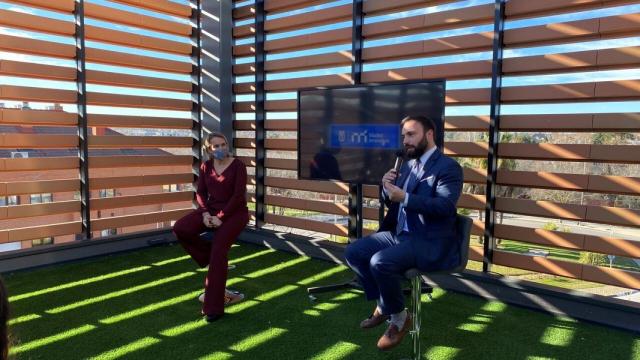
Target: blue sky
{"x":451,"y":110}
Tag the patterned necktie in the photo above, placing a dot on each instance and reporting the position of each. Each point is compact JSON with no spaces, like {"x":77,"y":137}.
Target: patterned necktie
{"x":413,"y":178}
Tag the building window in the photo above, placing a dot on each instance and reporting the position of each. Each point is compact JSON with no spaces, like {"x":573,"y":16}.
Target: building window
{"x":43,"y":241}
{"x":41,"y":198}
{"x":108,"y":232}
{"x":171,"y":188}
{"x":107,"y":193}
{"x":9,"y":200}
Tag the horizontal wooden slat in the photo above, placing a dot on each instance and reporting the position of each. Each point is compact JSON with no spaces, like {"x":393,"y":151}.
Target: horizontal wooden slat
{"x":139,"y":219}
{"x":17,"y":141}
{"x":164,"y":6}
{"x":37,"y":117}
{"x":95,"y":98}
{"x":138,"y":122}
{"x":576,"y":182}
{"x":138,"y":41}
{"x":321,"y":16}
{"x":470,"y":201}
{"x":596,"y":214}
{"x":308,"y":225}
{"x":476,"y":253}
{"x":140,"y":200}
{"x":537,"y":264}
{"x":298,"y":63}
{"x":616,"y":277}
{"x":145,"y":62}
{"x":37,"y":47}
{"x":572,"y":241}
{"x":572,"y":31}
{"x":138,"y":20}
{"x":324,"y":38}
{"x":466,"y":149}
{"x":606,"y":90}
{"x":456,"y":18}
{"x":32,"y":22}
{"x":58,"y":5}
{"x":450,"y":71}
{"x":119,"y":79}
{"x":23,"y":93}
{"x":571,"y":270}
{"x":605,"y":59}
{"x":39,"y":164}
{"x":570,"y":152}
{"x":305,"y":204}
{"x":22,"y":211}
{"x":117,"y":141}
{"x":270,"y":144}
{"x":38,"y":187}
{"x":138,"y":181}
{"x":573,"y":122}
{"x":139,"y":160}
{"x":435,"y":47}
{"x":42,"y":231}
{"x":523,"y":8}
{"x":25,"y":69}
{"x":377,"y":7}
{"x":307,"y":185}
{"x":271,"y":125}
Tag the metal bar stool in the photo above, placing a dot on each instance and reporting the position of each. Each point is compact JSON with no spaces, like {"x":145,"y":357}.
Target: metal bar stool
{"x":463,"y":230}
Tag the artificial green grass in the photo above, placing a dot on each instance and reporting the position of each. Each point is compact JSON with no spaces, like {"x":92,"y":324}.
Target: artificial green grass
{"x":142,"y":305}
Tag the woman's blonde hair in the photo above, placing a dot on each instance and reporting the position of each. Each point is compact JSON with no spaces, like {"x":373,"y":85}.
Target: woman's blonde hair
{"x":206,"y":147}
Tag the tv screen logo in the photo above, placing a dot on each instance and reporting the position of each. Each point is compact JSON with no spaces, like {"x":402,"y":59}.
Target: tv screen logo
{"x":383,"y":137}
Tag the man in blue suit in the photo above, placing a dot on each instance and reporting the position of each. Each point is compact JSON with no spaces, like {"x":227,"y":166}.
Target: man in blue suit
{"x":417,"y":232}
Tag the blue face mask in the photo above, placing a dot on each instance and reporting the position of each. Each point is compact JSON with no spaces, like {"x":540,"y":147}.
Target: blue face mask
{"x":220,"y":154}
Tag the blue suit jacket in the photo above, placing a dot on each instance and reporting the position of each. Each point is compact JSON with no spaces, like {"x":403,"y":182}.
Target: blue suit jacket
{"x":431,"y":212}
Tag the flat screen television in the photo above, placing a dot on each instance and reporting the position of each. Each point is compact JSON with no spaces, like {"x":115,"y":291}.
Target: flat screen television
{"x":353,"y":133}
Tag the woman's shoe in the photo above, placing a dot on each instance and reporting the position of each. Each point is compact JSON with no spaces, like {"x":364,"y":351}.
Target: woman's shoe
{"x":230,"y":297}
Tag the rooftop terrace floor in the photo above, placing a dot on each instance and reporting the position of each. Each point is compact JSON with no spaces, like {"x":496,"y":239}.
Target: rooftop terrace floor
{"x":142,"y":305}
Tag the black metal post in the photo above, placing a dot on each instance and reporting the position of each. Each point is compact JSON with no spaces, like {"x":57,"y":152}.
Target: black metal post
{"x":494,"y":136}
{"x":355,"y":190}
{"x":261,"y":115}
{"x":83,"y":148}
{"x":196,"y":91}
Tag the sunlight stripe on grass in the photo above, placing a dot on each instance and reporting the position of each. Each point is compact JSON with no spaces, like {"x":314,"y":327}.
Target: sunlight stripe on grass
{"x":269,"y":270}
{"x":337,"y":351}
{"x":118,"y":293}
{"x":251,"y":256}
{"x":24,"y":318}
{"x":77,"y":283}
{"x":241,"y":306}
{"x":441,"y":352}
{"x":183,"y":328}
{"x":257,"y":339}
{"x":127,"y":349}
{"x":171,"y":261}
{"x":322,"y":275}
{"x":557,"y":336}
{"x":51,"y":339}
{"x":149,"y":308}
{"x":218,"y":355}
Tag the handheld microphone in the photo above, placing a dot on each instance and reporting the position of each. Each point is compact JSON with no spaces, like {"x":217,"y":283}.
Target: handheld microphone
{"x":398,"y":163}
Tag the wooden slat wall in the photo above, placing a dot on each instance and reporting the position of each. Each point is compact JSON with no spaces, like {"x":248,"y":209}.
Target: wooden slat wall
{"x":535,"y":166}
{"x":146,"y":168}
{"x":473,"y":152}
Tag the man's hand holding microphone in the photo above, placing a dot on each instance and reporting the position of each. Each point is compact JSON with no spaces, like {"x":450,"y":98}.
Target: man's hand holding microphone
{"x":394,"y":193}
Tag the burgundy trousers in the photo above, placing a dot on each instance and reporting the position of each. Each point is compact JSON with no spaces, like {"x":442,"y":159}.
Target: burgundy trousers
{"x":214,"y":254}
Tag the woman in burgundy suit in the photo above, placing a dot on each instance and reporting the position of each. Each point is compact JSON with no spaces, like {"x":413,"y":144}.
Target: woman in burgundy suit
{"x":221,"y":196}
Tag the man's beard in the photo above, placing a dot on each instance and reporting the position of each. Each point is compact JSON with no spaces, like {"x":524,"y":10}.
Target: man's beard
{"x":417,"y":151}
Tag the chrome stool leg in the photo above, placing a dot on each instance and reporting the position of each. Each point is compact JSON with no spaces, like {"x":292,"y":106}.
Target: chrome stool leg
{"x":416,"y":294}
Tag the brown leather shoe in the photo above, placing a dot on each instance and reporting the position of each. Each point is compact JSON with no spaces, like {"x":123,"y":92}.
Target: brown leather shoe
{"x":393,"y":336}
{"x":374,"y":320}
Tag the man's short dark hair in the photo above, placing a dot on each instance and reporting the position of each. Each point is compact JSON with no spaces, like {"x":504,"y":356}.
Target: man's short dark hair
{"x":427,"y":123}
